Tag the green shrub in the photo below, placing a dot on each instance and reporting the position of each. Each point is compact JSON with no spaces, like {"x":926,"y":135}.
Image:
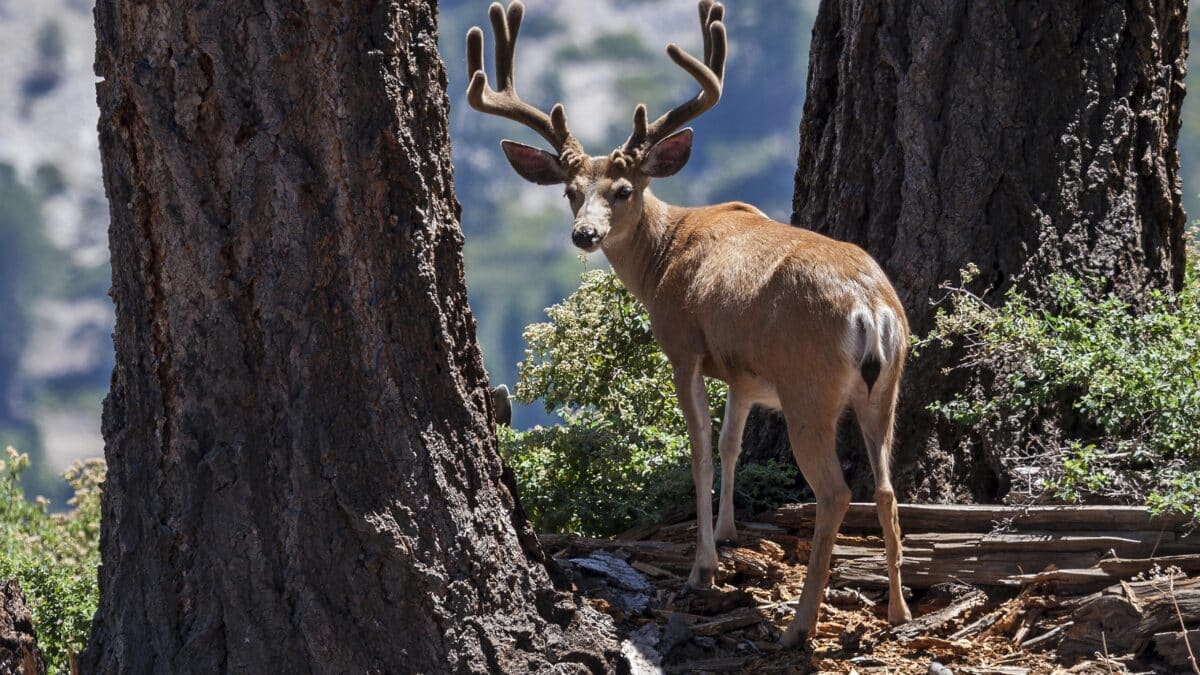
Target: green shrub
{"x":54,"y":556}
{"x":621,"y":454}
{"x":1121,"y":388}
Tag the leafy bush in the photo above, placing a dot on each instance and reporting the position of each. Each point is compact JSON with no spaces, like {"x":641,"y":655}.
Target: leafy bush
{"x":1122,"y":385}
{"x":53,"y":555}
{"x":621,"y":454}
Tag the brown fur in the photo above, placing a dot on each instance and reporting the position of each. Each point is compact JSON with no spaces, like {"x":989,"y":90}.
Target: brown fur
{"x":788,"y":318}
{"x":773,"y":310}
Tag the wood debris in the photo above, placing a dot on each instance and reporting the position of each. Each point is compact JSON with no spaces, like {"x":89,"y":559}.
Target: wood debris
{"x":937,"y":621}
{"x":1053,"y":590}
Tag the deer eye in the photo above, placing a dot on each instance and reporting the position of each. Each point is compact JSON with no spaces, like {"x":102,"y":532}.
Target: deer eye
{"x":624,"y":192}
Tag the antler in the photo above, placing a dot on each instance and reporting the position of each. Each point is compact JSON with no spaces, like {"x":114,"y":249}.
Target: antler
{"x":505,"y":102}
{"x":710,"y":74}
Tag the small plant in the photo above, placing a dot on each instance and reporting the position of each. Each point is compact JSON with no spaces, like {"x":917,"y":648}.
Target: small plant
{"x":621,"y":454}
{"x":54,"y":556}
{"x":1116,"y":389}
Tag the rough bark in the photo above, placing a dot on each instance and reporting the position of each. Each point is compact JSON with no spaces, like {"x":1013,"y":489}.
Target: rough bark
{"x":1028,"y":138}
{"x":302,"y":474}
{"x":19,"y":652}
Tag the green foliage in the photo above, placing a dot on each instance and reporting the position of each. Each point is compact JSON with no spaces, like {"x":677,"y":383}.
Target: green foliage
{"x":49,"y":179}
{"x":587,"y":477}
{"x":1126,"y":383}
{"x":761,"y":487}
{"x":25,"y":256}
{"x":598,"y":356}
{"x":53,"y":555}
{"x":621,"y":454}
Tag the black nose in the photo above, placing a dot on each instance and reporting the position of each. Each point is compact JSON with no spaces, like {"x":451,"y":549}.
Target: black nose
{"x":584,"y":237}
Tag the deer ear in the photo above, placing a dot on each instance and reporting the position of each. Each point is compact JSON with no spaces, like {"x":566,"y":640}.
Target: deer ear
{"x":669,"y":155}
{"x":534,"y":165}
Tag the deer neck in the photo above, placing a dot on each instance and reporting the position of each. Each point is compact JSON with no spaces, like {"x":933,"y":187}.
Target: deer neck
{"x":640,"y":257}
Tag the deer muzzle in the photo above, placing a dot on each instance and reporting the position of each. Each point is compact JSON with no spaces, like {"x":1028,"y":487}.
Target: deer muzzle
{"x":586,"y":237}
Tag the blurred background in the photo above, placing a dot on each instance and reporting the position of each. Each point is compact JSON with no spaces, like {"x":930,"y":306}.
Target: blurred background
{"x":600,"y":57}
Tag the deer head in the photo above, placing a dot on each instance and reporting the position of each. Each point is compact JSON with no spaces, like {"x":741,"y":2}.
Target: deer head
{"x":606,"y":192}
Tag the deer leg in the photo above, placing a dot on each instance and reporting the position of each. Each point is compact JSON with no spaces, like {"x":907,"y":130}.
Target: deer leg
{"x":813,"y":444}
{"x":736,"y":409}
{"x":875,"y":420}
{"x":693,"y":399}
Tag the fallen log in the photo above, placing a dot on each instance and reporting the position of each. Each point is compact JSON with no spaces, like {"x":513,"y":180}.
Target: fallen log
{"x":1123,"y":543}
{"x":1107,"y":572}
{"x":920,"y":573}
{"x":1127,"y":616}
{"x":943,"y":518}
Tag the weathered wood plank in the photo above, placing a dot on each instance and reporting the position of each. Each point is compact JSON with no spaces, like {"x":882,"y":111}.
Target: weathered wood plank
{"x":1107,"y":572}
{"x":1174,"y":649}
{"x":984,"y":518}
{"x":1124,"y":543}
{"x":1127,"y":616}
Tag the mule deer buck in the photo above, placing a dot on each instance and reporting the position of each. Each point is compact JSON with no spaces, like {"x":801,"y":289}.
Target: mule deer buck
{"x":789,"y":319}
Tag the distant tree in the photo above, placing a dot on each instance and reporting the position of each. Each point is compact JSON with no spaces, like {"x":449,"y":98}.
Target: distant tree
{"x":302,"y":472}
{"x":23,"y":249}
{"x":51,"y":43}
{"x":1027,"y":138}
{"x":47,"y":71}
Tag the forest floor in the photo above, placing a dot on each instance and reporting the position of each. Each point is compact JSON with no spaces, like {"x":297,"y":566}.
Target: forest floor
{"x":1064,"y":591}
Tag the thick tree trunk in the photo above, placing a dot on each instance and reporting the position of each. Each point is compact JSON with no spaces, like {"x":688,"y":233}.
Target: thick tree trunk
{"x":302,"y":474}
{"x":1028,"y":138}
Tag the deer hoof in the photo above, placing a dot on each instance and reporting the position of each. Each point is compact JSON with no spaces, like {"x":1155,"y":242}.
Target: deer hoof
{"x":726,"y":534}
{"x":898,"y":614}
{"x":702,"y":578}
{"x":794,"y":638}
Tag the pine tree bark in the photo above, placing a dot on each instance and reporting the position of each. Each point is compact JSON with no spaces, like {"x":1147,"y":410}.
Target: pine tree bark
{"x":19,"y":651}
{"x":302,"y":473}
{"x":1027,"y":138}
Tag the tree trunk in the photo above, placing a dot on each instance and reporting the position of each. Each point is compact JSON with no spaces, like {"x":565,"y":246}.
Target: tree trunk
{"x":19,"y":652}
{"x":1028,"y":138}
{"x":302,"y":473}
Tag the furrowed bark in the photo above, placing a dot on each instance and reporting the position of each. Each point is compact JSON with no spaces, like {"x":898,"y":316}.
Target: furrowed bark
{"x":1028,"y":138}
{"x":302,"y":472}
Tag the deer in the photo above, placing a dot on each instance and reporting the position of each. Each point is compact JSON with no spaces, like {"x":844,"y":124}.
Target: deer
{"x":789,"y":319}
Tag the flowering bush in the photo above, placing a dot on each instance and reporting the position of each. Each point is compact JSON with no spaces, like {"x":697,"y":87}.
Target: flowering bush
{"x":53,"y":555}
